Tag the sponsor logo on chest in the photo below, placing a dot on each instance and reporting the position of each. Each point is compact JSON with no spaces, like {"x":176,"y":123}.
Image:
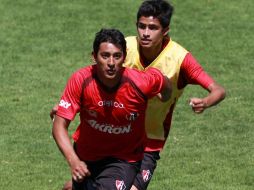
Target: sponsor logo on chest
{"x":110,"y":103}
{"x":109,"y":128}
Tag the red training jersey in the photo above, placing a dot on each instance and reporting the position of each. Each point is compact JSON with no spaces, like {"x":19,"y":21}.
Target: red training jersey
{"x":111,"y":122}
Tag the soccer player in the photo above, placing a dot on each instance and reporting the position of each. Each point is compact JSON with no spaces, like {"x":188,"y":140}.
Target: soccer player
{"x":111,"y":100}
{"x":154,"y":48}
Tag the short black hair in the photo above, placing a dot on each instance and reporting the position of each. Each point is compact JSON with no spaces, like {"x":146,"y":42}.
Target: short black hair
{"x":160,"y":9}
{"x":113,"y":36}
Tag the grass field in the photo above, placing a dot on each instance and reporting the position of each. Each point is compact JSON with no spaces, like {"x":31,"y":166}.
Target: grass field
{"x":43,"y":42}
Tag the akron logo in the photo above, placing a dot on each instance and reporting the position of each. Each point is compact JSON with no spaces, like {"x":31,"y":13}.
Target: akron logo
{"x":146,"y":174}
{"x":120,"y":185}
{"x":109,"y":128}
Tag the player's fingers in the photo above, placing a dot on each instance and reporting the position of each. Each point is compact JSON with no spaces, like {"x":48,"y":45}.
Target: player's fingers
{"x":84,"y":170}
{"x":87,"y":173}
{"x":78,"y":177}
{"x":74,"y":177}
{"x":53,"y":112}
{"x":198,"y":110}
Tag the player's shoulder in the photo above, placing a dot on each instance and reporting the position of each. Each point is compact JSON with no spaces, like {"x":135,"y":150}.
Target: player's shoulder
{"x":149,"y":70}
{"x":88,"y":70}
{"x":177,"y":47}
{"x":131,"y":38}
{"x":131,"y":72}
{"x":131,"y":41}
{"x":83,"y":72}
{"x":153,"y":70}
{"x":142,"y":77}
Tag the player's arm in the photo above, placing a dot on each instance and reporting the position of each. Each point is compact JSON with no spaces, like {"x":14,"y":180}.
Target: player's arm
{"x":159,"y":85}
{"x":193,"y":73}
{"x":66,"y":111}
{"x":166,"y":91}
{"x":216,"y":94}
{"x":60,"y":133}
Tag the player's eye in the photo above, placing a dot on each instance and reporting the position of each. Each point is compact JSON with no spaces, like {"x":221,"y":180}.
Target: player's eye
{"x":118,"y":55}
{"x":153,"y":27}
{"x":141,"y":26}
{"x":105,"y":55}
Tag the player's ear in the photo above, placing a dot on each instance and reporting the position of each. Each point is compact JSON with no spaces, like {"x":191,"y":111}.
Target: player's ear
{"x":165,"y":31}
{"x":94,"y":56}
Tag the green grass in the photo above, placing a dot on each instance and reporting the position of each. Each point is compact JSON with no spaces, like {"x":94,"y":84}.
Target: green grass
{"x":43,"y":42}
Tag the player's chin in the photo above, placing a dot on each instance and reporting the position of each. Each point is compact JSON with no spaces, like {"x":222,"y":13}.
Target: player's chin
{"x":146,"y":45}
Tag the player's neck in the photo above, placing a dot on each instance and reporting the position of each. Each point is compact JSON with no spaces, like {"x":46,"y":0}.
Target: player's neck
{"x":108,"y":84}
{"x":150,"y":54}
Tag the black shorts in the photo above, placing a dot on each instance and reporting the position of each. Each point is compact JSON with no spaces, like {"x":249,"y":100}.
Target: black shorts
{"x":109,"y":174}
{"x":148,"y":166}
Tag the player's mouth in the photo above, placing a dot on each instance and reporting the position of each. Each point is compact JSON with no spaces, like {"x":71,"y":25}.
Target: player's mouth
{"x":111,"y":72}
{"x":145,"y":41}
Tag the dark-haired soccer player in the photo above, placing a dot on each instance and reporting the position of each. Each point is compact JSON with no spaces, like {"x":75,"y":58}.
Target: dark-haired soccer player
{"x":154,"y":48}
{"x":111,"y":100}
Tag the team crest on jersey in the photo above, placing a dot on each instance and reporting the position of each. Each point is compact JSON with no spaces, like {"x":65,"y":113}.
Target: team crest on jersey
{"x":132,"y":117}
{"x":146,"y":174}
{"x":92,"y":113}
{"x":120,"y":185}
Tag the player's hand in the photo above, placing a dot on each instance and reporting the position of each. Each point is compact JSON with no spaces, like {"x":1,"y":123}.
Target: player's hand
{"x":53,"y":112}
{"x":198,"y":105}
{"x":79,"y":170}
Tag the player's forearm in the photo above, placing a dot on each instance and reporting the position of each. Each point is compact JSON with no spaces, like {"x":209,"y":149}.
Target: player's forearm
{"x":167,"y":90}
{"x":60,"y":134}
{"x":216,"y":95}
